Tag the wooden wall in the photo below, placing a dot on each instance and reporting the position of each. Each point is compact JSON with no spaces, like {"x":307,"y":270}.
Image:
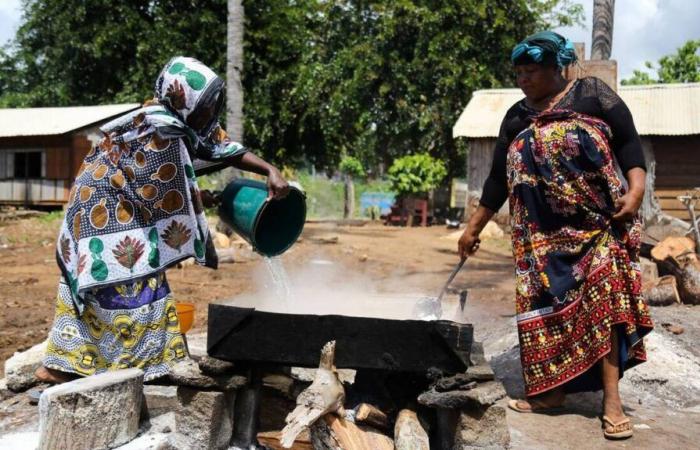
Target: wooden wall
{"x":677,"y":171}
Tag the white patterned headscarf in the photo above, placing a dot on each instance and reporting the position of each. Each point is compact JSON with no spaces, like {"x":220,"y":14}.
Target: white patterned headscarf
{"x":186,"y":87}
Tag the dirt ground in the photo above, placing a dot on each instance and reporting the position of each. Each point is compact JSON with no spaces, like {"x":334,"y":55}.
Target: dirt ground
{"x":663,"y":398}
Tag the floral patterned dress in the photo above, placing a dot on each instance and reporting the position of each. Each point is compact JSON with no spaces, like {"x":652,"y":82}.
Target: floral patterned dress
{"x":577,"y":271}
{"x":133,"y":211}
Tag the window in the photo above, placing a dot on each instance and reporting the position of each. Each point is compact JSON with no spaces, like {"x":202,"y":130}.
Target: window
{"x":28,"y":165}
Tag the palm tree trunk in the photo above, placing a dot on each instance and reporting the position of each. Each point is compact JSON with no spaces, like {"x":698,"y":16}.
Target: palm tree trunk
{"x":234,"y":69}
{"x":603,"y":14}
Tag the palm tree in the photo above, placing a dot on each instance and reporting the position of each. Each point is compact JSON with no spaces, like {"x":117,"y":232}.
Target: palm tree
{"x":603,"y":14}
{"x":234,"y":69}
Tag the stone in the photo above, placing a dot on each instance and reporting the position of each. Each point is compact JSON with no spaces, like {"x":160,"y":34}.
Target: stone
{"x":20,"y":368}
{"x":283,"y":384}
{"x":326,"y":239}
{"x":476,"y":354}
{"x":482,"y":372}
{"x":187,"y":373}
{"x":491,"y":231}
{"x":102,"y":410}
{"x":221,"y":240}
{"x":465,"y":381}
{"x":160,"y":400}
{"x":154,"y":435}
{"x":482,"y":428}
{"x":215,"y":366}
{"x":197,"y":345}
{"x":484,"y":394}
{"x":205,"y":418}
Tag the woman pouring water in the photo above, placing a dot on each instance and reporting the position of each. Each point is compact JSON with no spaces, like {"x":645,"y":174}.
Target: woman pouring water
{"x":135,"y":210}
{"x":575,"y":231}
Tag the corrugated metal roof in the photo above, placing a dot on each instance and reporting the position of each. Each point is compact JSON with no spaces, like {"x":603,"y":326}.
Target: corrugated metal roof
{"x":55,"y":121}
{"x":658,"y":109}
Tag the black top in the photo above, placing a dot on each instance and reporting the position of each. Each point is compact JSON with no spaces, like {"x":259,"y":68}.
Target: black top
{"x":589,"y":96}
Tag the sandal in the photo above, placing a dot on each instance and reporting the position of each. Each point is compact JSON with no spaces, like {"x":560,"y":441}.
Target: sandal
{"x":620,"y":430}
{"x":513,"y":404}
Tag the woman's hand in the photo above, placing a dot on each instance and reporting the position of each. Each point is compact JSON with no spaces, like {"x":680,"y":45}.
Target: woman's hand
{"x":627,"y":206}
{"x":469,"y":243}
{"x":277,"y":186}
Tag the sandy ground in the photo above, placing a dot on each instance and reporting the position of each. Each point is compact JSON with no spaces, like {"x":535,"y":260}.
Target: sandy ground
{"x":662,"y":396}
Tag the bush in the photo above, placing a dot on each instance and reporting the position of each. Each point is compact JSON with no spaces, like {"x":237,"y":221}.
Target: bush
{"x":352,"y":166}
{"x":416,"y":174}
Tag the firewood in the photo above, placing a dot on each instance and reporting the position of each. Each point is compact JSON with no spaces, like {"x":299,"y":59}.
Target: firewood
{"x":673,"y":246}
{"x":336,"y":433}
{"x":409,"y":433}
{"x":325,"y":395}
{"x":370,"y":415}
{"x":271,"y":439}
{"x":662,"y":292}
{"x":687,"y":273}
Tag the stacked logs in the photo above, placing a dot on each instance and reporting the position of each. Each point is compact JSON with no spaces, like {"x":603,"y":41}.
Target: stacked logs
{"x":679,"y":266}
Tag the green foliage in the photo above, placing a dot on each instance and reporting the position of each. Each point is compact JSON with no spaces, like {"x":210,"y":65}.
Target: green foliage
{"x":370,"y":78}
{"x":352,"y":166}
{"x":416,"y":174}
{"x":681,"y":67}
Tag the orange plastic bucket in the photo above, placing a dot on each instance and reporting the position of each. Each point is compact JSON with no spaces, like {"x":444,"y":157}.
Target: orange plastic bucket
{"x":185,"y":314}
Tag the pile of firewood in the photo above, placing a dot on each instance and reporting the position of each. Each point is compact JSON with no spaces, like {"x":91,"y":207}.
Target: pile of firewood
{"x":677,"y":260}
{"x":319,"y":408}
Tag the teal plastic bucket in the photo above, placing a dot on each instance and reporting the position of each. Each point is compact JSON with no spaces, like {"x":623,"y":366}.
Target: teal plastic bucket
{"x":270,"y":226}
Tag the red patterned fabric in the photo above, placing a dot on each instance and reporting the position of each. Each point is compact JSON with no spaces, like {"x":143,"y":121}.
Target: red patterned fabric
{"x":577,"y":271}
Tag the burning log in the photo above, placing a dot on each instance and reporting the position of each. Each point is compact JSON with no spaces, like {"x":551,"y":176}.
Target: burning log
{"x":368,"y":414}
{"x":409,"y":433}
{"x":662,"y":291}
{"x":325,"y":395}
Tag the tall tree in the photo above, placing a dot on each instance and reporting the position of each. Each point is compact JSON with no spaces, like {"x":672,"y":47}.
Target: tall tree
{"x":681,"y":67}
{"x":373,"y":79}
{"x":602,"y":34}
{"x":234,"y":69}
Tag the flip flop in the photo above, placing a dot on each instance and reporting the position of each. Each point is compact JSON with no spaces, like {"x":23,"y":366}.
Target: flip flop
{"x":617,"y":430}
{"x":513,"y":404}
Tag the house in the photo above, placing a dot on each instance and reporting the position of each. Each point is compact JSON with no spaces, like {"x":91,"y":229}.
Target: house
{"x":667,"y":117}
{"x":41,"y":150}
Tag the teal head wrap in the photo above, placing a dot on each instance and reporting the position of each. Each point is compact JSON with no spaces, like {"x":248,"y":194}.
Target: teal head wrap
{"x":546,"y":48}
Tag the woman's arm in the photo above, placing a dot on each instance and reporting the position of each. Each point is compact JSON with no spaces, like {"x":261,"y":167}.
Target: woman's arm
{"x":628,"y":205}
{"x":627,"y":148}
{"x":469,"y":242}
{"x":276,"y":183}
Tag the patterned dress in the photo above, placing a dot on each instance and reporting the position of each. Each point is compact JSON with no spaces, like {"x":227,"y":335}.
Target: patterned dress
{"x":135,"y":210}
{"x":577,"y":271}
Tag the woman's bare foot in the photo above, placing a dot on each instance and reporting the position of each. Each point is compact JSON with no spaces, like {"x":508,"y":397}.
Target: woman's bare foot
{"x":548,"y":400}
{"x":612,"y":408}
{"x":52,"y":376}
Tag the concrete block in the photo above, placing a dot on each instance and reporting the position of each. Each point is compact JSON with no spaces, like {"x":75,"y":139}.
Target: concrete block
{"x":19,"y":369}
{"x":93,"y":413}
{"x":205,"y":417}
{"x":160,"y":400}
{"x":482,"y":428}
